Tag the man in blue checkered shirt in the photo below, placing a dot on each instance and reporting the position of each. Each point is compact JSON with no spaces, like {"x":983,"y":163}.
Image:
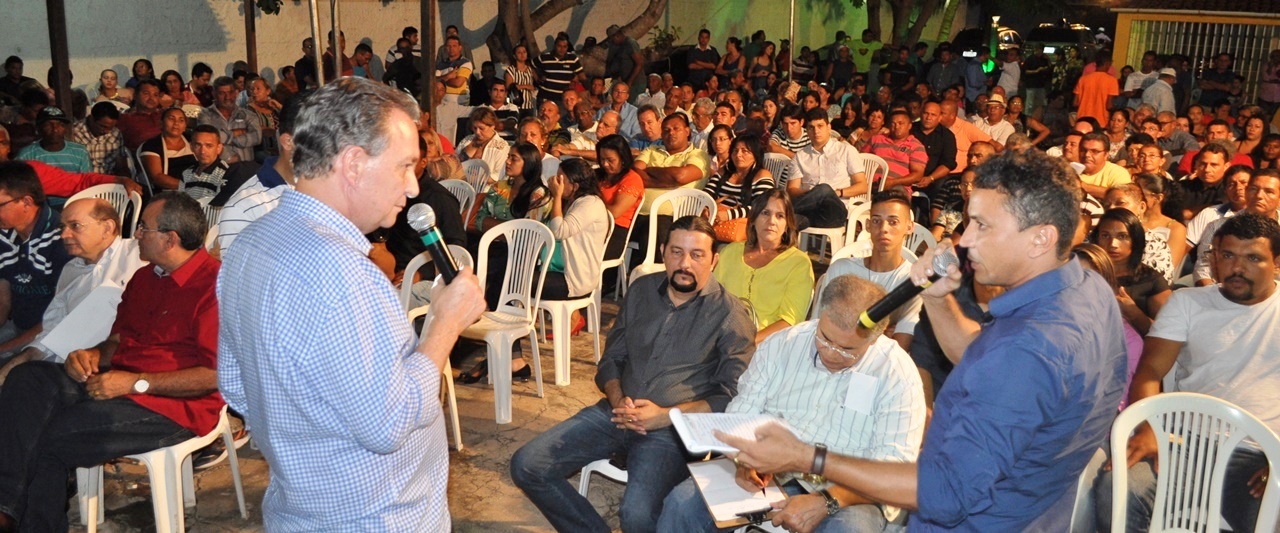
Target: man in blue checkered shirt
{"x":314,"y":347}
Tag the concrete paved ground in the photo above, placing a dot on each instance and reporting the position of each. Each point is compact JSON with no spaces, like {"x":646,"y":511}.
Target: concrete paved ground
{"x":481,"y":495}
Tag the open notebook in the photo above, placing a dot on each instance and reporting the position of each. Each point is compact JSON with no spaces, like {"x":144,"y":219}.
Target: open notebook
{"x":695,"y":429}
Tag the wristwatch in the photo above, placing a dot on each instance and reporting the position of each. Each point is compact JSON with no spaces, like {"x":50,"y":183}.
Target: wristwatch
{"x":141,"y":386}
{"x":833,"y":506}
{"x":819,"y":459}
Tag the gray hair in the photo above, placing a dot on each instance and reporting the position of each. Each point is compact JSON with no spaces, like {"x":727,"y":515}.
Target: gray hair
{"x":183,"y":215}
{"x":223,"y":81}
{"x":705,"y":106}
{"x":846,"y":297}
{"x":1148,"y":107}
{"x":347,"y":112}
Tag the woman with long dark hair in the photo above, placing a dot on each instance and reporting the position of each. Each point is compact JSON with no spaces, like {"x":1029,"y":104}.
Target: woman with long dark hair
{"x":742,"y":181}
{"x":580,"y":223}
{"x":1143,"y":291}
{"x":142,"y":70}
{"x":522,"y":78}
{"x":621,"y":188}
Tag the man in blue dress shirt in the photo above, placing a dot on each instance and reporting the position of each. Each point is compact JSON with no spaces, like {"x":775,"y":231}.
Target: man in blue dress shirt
{"x":314,"y":347}
{"x":1036,"y":384}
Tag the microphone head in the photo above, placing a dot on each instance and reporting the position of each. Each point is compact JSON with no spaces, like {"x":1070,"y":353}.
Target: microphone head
{"x":941,"y":261}
{"x":421,"y":217}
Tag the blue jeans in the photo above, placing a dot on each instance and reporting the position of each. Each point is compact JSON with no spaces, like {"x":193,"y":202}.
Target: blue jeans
{"x":52,"y":426}
{"x":1239,"y":508}
{"x":820,"y":207}
{"x":686,"y":511}
{"x":656,"y":463}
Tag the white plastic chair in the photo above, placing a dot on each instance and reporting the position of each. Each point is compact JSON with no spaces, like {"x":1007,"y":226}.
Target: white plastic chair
{"x":529,"y":248}
{"x":855,"y":225}
{"x":877,"y":169}
{"x":172,"y":480}
{"x":1196,"y":434}
{"x":463,"y":258}
{"x":477,"y":174}
{"x":562,"y":310}
{"x":140,"y":171}
{"x":211,"y":238}
{"x":620,"y":287}
{"x":604,"y":468}
{"x":777,"y":165}
{"x":466,"y":195}
{"x":684,"y":202}
{"x":119,"y":198}
{"x":920,"y":236}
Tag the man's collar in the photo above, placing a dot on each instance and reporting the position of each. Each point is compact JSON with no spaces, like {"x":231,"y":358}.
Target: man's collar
{"x":268,"y":176}
{"x":188,"y":269}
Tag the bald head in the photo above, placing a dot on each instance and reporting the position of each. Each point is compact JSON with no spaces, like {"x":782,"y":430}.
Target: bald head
{"x":608,"y":124}
{"x":980,"y":152}
{"x":90,"y":226}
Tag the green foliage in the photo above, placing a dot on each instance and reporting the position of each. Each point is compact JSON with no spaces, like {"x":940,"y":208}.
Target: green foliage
{"x":662,"y":40}
{"x":270,"y":7}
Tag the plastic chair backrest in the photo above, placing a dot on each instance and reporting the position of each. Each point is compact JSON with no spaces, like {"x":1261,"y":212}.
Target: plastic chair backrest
{"x":466,"y":195}
{"x":529,"y":248}
{"x":140,"y":172}
{"x":477,"y":174}
{"x":684,"y":202}
{"x":777,"y":164}
{"x":460,"y":256}
{"x":119,"y":198}
{"x":920,"y":236}
{"x":859,"y":216}
{"x":877,"y":169}
{"x":1196,"y":434}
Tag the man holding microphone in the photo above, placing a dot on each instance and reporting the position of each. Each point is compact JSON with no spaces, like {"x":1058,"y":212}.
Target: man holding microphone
{"x":1035,"y":387}
{"x":318,"y":354}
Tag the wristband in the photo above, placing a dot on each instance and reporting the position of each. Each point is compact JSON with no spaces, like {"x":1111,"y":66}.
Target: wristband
{"x":833,"y":506}
{"x":819,"y":459}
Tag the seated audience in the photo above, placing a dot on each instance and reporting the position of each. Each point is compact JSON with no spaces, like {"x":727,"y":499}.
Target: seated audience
{"x":154,"y":378}
{"x":1157,"y":253}
{"x":902,"y":151}
{"x":676,"y":163}
{"x":1223,"y":339}
{"x":650,"y":132}
{"x":680,"y":341}
{"x":1153,"y":189}
{"x":262,"y":104}
{"x":99,"y":257}
{"x":965,"y":133}
{"x":1206,"y":186}
{"x":718,"y":143}
{"x":534,"y":131}
{"x":767,"y":271}
{"x":404,"y":243}
{"x":174,"y":91}
{"x":787,"y":380}
{"x":109,"y":90}
{"x":822,"y":175}
{"x":1261,"y":197}
{"x":741,"y":181}
{"x":53,"y":147}
{"x":994,"y":124}
{"x":790,"y":136}
{"x":104,"y":143}
{"x":618,"y":95}
{"x":1099,"y":174}
{"x":57,"y":182}
{"x":142,"y":122}
{"x":1143,"y":290}
{"x":239,"y":128}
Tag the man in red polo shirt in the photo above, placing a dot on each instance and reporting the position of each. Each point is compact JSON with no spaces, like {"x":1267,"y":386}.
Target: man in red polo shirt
{"x":151,"y":384}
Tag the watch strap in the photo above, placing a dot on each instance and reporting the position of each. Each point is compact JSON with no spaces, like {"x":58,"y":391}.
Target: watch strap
{"x":819,"y":459}
{"x":833,"y":506}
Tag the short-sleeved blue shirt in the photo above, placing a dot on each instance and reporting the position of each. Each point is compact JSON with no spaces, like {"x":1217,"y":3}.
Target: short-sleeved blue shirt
{"x":1020,"y":417}
{"x":32,"y":267}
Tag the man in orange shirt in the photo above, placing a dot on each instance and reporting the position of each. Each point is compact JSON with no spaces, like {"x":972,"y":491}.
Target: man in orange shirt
{"x":1095,"y":90}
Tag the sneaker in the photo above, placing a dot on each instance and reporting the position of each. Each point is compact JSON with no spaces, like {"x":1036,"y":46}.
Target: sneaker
{"x":209,"y":456}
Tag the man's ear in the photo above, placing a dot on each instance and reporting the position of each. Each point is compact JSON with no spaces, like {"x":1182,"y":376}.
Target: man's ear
{"x":1045,"y":240}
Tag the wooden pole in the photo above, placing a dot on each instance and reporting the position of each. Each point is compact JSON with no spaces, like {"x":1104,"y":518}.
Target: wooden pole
{"x":337,"y":39}
{"x":57,"y":15}
{"x":251,"y":36}
{"x":428,"y":43}
{"x":316,"y":43}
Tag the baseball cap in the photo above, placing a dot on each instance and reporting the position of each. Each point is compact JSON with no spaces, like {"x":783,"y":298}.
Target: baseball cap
{"x":52,"y":113}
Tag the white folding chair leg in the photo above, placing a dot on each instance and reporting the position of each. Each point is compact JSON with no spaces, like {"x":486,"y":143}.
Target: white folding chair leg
{"x":229,"y":440}
{"x":593,"y":322}
{"x":89,"y":488}
{"x":163,"y":500}
{"x":561,"y":343}
{"x":453,"y":404}
{"x":537,"y":366}
{"x":499,"y":361}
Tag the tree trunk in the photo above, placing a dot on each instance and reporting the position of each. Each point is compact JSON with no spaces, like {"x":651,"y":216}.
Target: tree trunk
{"x":948,"y":19}
{"x":549,"y":9}
{"x":873,"y":18}
{"x":508,"y":31}
{"x":901,"y":19}
{"x":640,"y":26}
{"x":926,"y":12}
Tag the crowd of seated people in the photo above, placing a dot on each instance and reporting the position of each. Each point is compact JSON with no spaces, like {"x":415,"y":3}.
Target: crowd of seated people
{"x":1179,"y":175}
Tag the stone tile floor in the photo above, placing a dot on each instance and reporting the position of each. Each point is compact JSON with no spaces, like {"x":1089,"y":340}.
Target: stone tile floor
{"x":481,"y":494}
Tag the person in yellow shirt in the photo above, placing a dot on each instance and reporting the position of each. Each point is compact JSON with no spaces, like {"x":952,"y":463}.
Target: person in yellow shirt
{"x":1099,"y":175}
{"x":768,"y":272}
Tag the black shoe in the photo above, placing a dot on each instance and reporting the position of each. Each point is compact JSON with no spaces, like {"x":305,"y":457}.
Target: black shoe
{"x":476,"y":374}
{"x":209,"y":456}
{"x":522,"y":375}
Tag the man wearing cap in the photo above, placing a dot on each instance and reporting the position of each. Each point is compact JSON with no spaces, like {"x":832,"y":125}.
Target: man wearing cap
{"x":995,"y":125}
{"x":1160,"y":93}
{"x":53,"y":148}
{"x":625,"y":62}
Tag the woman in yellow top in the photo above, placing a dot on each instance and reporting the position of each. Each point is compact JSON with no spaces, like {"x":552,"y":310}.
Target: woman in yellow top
{"x":767,"y":271}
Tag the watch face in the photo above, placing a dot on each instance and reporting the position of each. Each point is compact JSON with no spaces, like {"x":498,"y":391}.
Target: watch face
{"x":141,"y":386}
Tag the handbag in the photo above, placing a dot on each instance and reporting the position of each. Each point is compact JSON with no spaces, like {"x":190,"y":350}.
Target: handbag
{"x":732,"y":230}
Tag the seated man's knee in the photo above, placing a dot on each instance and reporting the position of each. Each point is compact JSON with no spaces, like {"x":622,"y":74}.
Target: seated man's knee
{"x":639,"y":510}
{"x":525,"y":471}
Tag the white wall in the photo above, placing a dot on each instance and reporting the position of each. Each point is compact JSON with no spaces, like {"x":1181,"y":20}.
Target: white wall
{"x":175,"y":34}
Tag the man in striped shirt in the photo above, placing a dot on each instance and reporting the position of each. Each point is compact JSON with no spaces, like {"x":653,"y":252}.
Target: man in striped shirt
{"x":901,"y":150}
{"x":840,"y":387}
{"x":262,"y":192}
{"x":557,"y":70}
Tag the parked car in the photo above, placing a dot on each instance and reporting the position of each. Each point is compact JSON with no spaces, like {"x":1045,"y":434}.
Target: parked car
{"x":1059,"y":35}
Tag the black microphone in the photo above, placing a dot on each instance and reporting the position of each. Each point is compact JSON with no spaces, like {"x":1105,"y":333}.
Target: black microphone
{"x":906,"y":291}
{"x":422,"y":218}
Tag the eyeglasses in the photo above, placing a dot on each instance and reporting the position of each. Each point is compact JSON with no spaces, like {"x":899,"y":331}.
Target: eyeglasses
{"x":12,"y":200}
{"x":141,"y":230}
{"x":822,"y":341}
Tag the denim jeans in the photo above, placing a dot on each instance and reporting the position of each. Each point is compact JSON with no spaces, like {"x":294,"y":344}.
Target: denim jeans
{"x":655,"y":464}
{"x":1239,"y":508}
{"x":819,"y":207}
{"x":686,"y":511}
{"x":51,"y":426}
